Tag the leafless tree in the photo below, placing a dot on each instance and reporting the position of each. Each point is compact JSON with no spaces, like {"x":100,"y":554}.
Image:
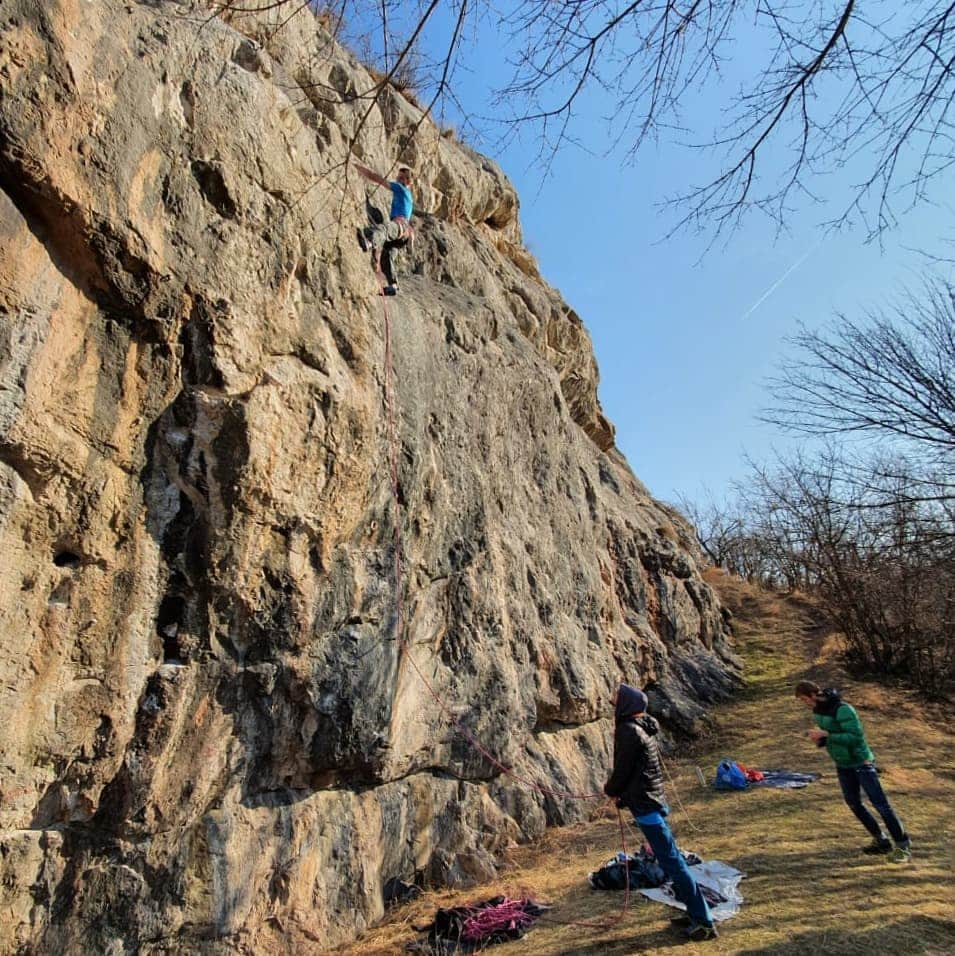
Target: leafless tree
{"x":827,"y":84}
{"x":830,"y":81}
{"x":879,"y":553}
{"x":891,"y":377}
{"x":734,"y":536}
{"x":386,"y":34}
{"x":874,"y":542}
{"x":717,"y":526}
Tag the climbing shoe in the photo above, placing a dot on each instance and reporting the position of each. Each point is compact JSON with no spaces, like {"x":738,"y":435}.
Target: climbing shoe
{"x":363,"y":241}
{"x":390,"y":290}
{"x":700,"y":932}
{"x":901,"y":854}
{"x":878,"y":845}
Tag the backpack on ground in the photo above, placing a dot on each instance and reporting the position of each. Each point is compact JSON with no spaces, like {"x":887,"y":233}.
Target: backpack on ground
{"x":729,"y":776}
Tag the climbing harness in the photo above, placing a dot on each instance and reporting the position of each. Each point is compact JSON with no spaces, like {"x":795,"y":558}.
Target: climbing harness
{"x":407,"y":230}
{"x":391,"y":248}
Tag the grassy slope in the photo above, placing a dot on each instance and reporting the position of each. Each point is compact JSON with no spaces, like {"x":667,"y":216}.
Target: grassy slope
{"x":808,"y":889}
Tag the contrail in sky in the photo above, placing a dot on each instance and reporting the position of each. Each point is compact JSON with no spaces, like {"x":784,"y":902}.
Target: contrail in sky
{"x":782,"y":279}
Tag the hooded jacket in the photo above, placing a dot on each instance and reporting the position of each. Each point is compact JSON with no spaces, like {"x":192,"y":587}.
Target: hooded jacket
{"x":637,"y":777}
{"x":845,"y":738}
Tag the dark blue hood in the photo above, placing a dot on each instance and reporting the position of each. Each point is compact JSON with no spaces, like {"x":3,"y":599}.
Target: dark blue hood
{"x":629,"y":701}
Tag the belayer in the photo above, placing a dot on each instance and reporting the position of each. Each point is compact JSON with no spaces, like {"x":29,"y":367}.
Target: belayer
{"x":386,"y":238}
{"x":636,"y":783}
{"x":839,"y":730}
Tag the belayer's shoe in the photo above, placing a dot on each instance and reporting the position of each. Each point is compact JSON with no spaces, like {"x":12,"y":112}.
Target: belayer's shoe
{"x":878,"y":845}
{"x":700,"y":932}
{"x":901,"y":854}
{"x":682,"y":919}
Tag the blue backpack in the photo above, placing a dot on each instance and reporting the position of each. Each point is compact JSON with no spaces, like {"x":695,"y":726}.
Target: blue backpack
{"x":729,"y":776}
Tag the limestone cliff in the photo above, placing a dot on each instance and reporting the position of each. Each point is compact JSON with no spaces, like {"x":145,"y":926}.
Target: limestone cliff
{"x":211,"y":740}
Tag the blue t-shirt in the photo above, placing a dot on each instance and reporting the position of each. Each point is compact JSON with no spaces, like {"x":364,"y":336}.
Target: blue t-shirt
{"x":401,"y":201}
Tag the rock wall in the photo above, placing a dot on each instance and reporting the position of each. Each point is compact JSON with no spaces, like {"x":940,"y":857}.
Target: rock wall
{"x":212,"y":741}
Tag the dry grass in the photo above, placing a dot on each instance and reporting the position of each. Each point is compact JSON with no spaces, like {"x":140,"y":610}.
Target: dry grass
{"x":403,"y":81}
{"x":808,"y":890}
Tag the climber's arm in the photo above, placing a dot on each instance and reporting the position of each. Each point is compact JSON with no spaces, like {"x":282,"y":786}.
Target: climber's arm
{"x":369,"y":174}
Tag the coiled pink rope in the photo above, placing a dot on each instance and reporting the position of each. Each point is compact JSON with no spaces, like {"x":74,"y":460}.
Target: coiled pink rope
{"x":508,"y":914}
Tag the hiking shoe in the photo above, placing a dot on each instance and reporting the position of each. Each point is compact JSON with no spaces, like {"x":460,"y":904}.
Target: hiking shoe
{"x":901,"y":854}
{"x":682,"y":919}
{"x":700,"y":932}
{"x":878,"y":845}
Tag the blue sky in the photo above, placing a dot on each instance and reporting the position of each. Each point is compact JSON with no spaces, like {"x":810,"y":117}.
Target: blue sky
{"x":685,"y":337}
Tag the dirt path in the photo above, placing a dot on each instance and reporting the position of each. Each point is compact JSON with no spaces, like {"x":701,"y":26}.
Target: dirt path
{"x":808,"y":888}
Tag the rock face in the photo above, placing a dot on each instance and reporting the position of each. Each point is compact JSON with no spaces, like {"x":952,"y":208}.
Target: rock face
{"x":215,"y":734}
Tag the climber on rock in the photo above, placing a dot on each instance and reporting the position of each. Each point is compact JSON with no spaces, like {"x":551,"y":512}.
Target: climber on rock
{"x":386,"y":238}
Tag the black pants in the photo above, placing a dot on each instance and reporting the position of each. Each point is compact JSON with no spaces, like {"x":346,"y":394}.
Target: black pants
{"x":390,"y":258}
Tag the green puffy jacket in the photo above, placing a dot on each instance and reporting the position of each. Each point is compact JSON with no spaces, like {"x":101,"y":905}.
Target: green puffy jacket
{"x":846,"y":741}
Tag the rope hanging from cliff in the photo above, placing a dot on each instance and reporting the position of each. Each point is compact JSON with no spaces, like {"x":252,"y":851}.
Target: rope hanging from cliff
{"x":393,"y":465}
{"x":400,"y":637}
{"x":402,"y":643}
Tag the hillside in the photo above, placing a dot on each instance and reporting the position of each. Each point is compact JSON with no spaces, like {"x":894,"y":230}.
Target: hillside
{"x":808,"y":889}
{"x":217,"y":738}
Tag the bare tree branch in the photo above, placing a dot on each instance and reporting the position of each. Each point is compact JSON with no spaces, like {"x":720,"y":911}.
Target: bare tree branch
{"x":833,"y":84}
{"x":893,"y":376}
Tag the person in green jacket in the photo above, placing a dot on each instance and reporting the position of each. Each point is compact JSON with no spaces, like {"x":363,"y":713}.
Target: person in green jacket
{"x":839,"y":730}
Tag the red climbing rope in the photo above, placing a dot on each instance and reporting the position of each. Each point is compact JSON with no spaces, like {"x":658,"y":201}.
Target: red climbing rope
{"x":402,"y":643}
{"x":508,"y":914}
{"x":400,"y":638}
{"x":393,"y":461}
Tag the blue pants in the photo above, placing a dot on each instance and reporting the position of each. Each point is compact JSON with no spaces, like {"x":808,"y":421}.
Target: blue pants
{"x":671,"y":861}
{"x":853,"y":780}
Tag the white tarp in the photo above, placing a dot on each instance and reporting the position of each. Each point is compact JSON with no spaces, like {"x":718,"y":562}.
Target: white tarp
{"x":717,"y":876}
